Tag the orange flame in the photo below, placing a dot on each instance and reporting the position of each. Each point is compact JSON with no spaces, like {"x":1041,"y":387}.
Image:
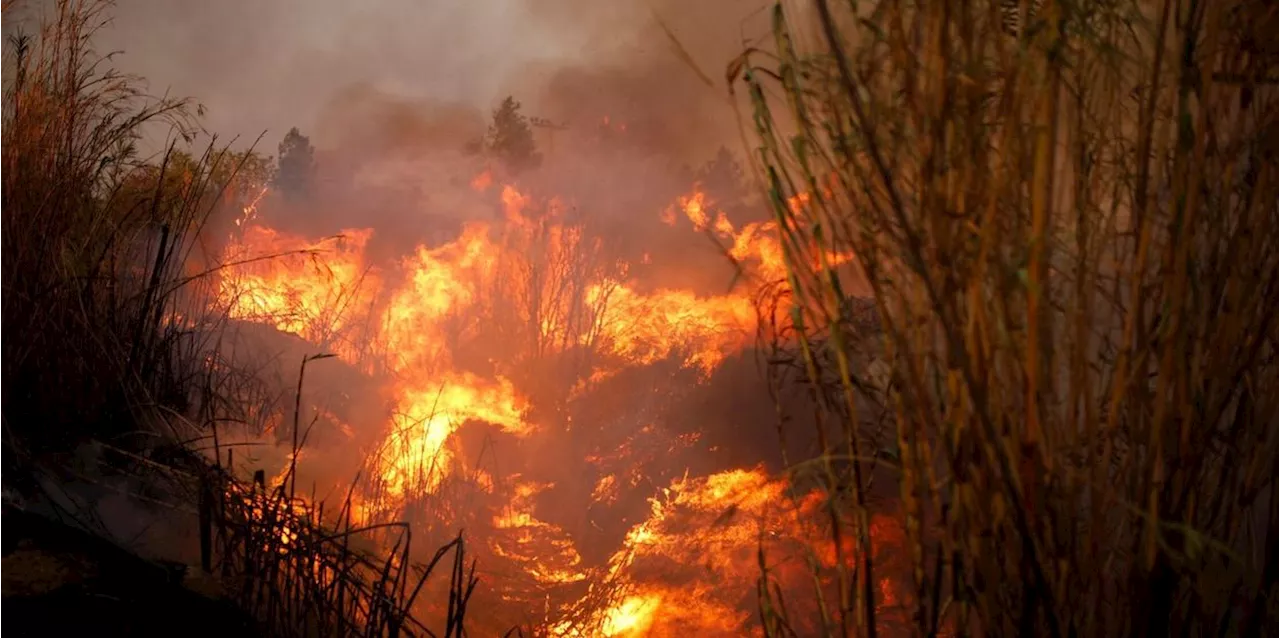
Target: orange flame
{"x":531,"y":273}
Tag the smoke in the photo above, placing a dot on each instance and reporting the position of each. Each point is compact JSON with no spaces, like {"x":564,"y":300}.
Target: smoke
{"x":391,"y":92}
{"x":275,"y":65}
{"x":271,"y":66}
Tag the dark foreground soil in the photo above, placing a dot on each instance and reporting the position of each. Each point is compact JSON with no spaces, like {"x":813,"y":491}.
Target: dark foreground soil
{"x":61,"y":581}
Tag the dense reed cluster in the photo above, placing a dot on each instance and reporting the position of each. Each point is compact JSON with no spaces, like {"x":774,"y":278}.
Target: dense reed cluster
{"x":1064,"y":215}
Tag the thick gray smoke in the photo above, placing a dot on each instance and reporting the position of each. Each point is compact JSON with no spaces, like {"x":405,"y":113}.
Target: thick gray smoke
{"x":391,"y":91}
{"x":269,"y":66}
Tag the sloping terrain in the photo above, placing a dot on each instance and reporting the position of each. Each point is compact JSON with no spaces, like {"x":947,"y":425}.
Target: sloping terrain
{"x":61,"y":581}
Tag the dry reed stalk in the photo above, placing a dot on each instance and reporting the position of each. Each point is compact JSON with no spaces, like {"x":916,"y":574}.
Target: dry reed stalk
{"x":109,"y":333}
{"x":1062,"y":213}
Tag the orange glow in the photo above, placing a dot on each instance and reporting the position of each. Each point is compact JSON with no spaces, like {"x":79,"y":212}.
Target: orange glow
{"x":643,"y":328}
{"x":706,"y":532}
{"x":694,"y":207}
{"x":300,"y":287}
{"x":482,"y":182}
{"x":452,"y":332}
{"x":632,"y":618}
{"x":756,"y":244}
{"x":543,"y":549}
{"x":426,"y":417}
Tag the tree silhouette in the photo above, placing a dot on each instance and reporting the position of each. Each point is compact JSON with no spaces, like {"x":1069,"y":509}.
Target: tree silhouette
{"x":724,"y":181}
{"x":510,"y":138}
{"x":296,"y":165}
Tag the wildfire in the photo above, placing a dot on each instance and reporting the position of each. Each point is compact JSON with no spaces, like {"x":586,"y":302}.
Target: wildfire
{"x":301,"y":287}
{"x":757,"y":243}
{"x":461,"y":332}
{"x":684,"y":570}
{"x":543,"y":548}
{"x":482,"y":182}
{"x":425,"y":417}
{"x":643,"y":328}
{"x":633,"y":617}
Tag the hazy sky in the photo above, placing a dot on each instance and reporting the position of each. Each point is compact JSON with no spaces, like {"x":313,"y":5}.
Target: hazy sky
{"x":272,"y":64}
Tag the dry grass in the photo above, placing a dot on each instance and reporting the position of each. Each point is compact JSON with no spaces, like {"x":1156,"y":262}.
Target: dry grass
{"x":110,"y":337}
{"x":1069,"y":235}
{"x":304,"y":573}
{"x":98,"y":247}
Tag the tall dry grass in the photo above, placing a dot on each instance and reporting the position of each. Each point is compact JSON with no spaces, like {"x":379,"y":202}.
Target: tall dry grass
{"x":304,"y":572}
{"x":99,"y":247}
{"x":110,"y":337}
{"x":1064,"y":214}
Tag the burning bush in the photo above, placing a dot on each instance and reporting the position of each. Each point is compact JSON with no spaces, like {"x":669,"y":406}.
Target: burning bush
{"x":536,"y":382}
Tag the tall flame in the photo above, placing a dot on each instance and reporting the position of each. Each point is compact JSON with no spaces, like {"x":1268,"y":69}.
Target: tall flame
{"x":456,"y":331}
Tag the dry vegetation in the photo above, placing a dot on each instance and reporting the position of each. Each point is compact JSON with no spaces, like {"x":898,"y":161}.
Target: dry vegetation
{"x":1062,"y":357}
{"x":110,"y":340}
{"x":87,"y":351}
{"x":1069,"y":233}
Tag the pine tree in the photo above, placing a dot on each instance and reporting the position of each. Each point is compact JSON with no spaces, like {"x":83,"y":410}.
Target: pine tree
{"x":510,"y":138}
{"x":296,"y":165}
{"x":725,"y":183}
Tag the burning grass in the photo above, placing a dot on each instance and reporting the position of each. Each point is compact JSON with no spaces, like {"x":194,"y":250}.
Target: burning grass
{"x":521,"y":336}
{"x":533,"y":381}
{"x":111,"y":342}
{"x":304,"y":573}
{"x":1030,"y":335}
